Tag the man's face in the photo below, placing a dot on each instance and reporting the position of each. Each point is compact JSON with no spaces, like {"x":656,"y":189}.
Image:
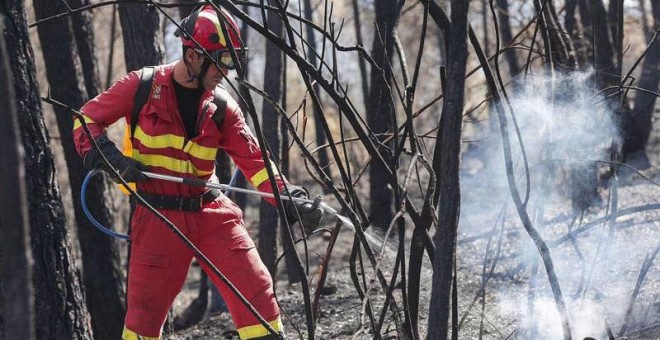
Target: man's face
{"x":213,"y":75}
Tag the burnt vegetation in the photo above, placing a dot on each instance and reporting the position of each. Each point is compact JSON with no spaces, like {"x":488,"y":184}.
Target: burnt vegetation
{"x":489,"y":161}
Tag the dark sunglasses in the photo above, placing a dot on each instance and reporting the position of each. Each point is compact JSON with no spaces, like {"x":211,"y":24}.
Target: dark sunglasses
{"x":223,"y":57}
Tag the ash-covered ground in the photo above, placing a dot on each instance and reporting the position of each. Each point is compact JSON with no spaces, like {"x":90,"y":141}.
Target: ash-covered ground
{"x":598,"y":271}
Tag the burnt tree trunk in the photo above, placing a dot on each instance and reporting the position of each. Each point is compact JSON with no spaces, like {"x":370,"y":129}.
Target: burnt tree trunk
{"x":15,"y":280}
{"x":143,"y":40}
{"x":381,"y":116}
{"x":569,"y":20}
{"x":507,"y":37}
{"x":268,"y":217}
{"x":615,"y":17}
{"x":84,"y":35}
{"x":603,"y":48}
{"x":290,"y":259}
{"x":577,"y":31}
{"x":558,"y":51}
{"x":61,"y":312}
{"x":358,"y":36}
{"x":583,"y":178}
{"x":641,"y":121}
{"x":446,"y":160}
{"x":313,"y":59}
{"x":100,"y":254}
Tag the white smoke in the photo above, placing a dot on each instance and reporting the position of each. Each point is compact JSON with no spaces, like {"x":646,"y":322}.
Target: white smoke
{"x":574,"y":129}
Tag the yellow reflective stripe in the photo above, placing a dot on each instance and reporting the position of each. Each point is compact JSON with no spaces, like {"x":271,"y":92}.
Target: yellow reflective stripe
{"x":124,"y":190}
{"x":214,"y":19}
{"x":259,"y":330}
{"x":130,"y":335}
{"x":176,"y":142}
{"x":126,"y":143}
{"x":169,"y":163}
{"x":77,"y":123}
{"x":159,"y":142}
{"x":201,"y":152}
{"x":262,"y":175}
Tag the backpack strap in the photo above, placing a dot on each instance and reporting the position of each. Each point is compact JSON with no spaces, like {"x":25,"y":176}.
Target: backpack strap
{"x":220,"y":99}
{"x":141,"y":95}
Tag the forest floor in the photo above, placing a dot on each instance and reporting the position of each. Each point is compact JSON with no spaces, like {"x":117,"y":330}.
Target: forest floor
{"x":599,"y":271}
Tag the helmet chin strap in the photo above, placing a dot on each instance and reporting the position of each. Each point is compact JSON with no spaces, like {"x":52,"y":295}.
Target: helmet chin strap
{"x":202,"y":72}
{"x":191,"y":76}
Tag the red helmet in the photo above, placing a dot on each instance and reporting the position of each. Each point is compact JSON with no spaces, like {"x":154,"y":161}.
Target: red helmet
{"x":202,"y":28}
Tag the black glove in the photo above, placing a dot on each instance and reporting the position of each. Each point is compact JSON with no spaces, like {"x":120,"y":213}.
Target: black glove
{"x":310,"y":213}
{"x":129,"y":169}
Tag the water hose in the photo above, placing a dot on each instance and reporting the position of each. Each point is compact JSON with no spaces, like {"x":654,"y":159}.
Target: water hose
{"x":224,"y":187}
{"x":201,"y":183}
{"x":106,"y":230}
{"x":83,"y":203}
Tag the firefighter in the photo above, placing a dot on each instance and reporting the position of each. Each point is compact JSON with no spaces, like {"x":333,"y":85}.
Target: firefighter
{"x":178,"y":132}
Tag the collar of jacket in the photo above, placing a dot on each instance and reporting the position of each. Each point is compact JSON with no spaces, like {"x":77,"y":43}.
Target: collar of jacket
{"x":163,"y":78}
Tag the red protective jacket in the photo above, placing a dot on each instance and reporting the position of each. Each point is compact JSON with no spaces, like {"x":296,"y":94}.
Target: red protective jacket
{"x":160,"y":140}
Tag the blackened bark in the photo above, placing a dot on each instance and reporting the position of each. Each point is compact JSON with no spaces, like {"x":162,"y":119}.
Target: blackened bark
{"x":578,"y":33}
{"x":583,"y":179}
{"x":290,"y":258}
{"x":268,"y":217}
{"x":585,"y":16}
{"x":16,"y":276}
{"x":358,"y":36}
{"x":645,"y":102}
{"x":569,"y":22}
{"x":100,"y":254}
{"x":446,"y":162}
{"x":381,"y":112}
{"x":143,"y":39}
{"x":61,"y":312}
{"x":559,"y":54}
{"x":615,"y":17}
{"x":603,"y":48}
{"x":559,"y":37}
{"x":84,"y":34}
{"x":318,"y":127}
{"x":507,"y":37}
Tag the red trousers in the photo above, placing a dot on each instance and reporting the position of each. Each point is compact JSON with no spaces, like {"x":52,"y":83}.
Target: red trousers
{"x":159,"y":264}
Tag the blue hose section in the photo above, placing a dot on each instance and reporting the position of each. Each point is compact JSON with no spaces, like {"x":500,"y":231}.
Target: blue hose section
{"x":83,"y":202}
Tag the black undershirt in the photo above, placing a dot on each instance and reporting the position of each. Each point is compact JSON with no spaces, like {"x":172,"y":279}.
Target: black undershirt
{"x":188,"y":102}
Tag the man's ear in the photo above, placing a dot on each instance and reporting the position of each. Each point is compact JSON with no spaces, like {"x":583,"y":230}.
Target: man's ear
{"x":190,"y":55}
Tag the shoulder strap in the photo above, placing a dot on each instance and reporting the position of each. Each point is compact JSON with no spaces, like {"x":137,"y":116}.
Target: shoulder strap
{"x":220,"y":99}
{"x":141,"y":95}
